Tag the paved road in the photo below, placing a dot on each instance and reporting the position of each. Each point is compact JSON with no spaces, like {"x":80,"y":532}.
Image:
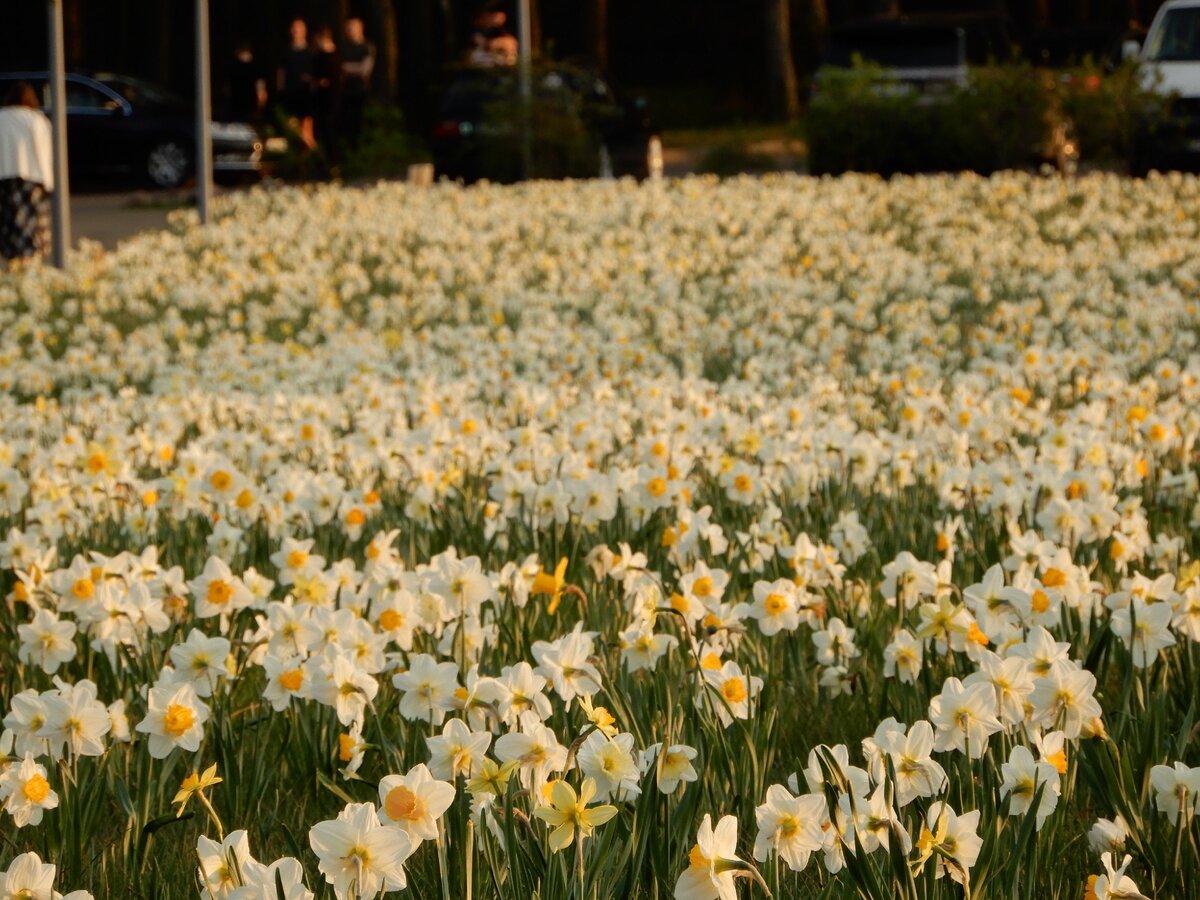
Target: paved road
{"x":112,"y":217}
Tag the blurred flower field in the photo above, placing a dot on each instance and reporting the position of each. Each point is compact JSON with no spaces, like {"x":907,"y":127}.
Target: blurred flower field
{"x":701,"y":539}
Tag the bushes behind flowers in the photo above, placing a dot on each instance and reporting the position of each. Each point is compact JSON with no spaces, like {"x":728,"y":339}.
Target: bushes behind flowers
{"x":1005,"y":116}
{"x":386,"y":149}
{"x":561,"y":146}
{"x":1115,"y":114}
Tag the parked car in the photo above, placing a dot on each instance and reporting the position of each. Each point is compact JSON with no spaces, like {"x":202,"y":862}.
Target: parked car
{"x":926,"y":55}
{"x":1170,"y":58}
{"x":118,"y":125}
{"x":580,"y":127}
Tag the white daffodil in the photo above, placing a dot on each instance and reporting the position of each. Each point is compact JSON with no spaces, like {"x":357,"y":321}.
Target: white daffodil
{"x":358,"y":855}
{"x":414,"y":802}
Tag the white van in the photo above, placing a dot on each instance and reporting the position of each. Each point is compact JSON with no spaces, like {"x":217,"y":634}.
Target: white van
{"x":1171,"y":56}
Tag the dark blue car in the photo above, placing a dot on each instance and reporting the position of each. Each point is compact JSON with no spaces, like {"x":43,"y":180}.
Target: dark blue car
{"x":122,"y":126}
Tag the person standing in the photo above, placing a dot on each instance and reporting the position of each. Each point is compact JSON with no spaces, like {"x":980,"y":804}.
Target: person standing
{"x":358,"y":63}
{"x":327,"y":77}
{"x":247,"y":87}
{"x":295,"y":83}
{"x":492,"y":43}
{"x":26,"y":175}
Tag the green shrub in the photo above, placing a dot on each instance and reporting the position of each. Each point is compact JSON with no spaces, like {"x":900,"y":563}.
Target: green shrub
{"x":1006,"y":116}
{"x":297,"y":162}
{"x":861,"y":120}
{"x":564,"y":128}
{"x":865,"y":119}
{"x":1002,"y":119}
{"x":385,"y":148}
{"x":561,"y":145}
{"x":1114,"y":113}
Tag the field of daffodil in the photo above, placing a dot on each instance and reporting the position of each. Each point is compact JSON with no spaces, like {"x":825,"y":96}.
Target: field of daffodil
{"x":703,"y":539}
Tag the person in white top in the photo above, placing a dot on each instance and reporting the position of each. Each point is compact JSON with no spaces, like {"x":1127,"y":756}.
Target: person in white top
{"x":26,"y":175}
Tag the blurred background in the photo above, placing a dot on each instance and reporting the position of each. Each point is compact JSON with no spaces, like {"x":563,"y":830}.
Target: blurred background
{"x":699,"y":63}
{"x":620,"y":88}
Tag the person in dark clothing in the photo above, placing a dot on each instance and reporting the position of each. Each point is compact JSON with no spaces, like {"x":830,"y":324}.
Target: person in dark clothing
{"x":358,"y":63}
{"x":247,"y":87}
{"x":296,"y":84}
{"x":327,"y":77}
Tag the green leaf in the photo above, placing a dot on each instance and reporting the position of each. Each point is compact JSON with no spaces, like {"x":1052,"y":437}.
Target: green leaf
{"x":121,"y":791}
{"x":326,"y":782}
{"x":160,"y":822}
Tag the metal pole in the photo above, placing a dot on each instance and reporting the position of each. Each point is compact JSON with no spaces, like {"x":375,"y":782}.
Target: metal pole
{"x":61,"y":196}
{"x":204,"y":179}
{"x":525,"y":79}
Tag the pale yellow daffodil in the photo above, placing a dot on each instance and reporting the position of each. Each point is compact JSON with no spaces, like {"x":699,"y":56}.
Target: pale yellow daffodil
{"x":567,"y":813}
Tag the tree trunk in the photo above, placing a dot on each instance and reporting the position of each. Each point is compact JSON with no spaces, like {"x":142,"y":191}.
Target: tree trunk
{"x":1041,"y":13}
{"x":599,"y":29}
{"x":783,"y":94}
{"x":73,"y":34}
{"x":388,"y":46}
{"x":818,"y":15}
{"x":535,"y":26}
{"x":810,"y":24}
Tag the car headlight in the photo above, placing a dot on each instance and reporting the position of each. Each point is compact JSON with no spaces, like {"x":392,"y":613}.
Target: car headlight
{"x":233,"y":131}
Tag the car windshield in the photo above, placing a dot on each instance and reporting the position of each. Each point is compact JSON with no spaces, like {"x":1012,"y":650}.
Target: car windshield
{"x":1177,"y":39}
{"x":86,"y":97}
{"x":896,"y":47}
{"x":138,"y":92}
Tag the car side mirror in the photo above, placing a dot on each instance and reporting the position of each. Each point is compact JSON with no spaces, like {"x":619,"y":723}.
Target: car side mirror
{"x":1130,"y":50}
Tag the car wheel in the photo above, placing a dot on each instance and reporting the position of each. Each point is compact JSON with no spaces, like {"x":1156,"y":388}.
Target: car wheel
{"x":168,"y":163}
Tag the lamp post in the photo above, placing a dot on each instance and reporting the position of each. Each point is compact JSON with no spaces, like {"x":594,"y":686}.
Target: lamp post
{"x":204,"y":179}
{"x":525,"y":80}
{"x":61,"y":196}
